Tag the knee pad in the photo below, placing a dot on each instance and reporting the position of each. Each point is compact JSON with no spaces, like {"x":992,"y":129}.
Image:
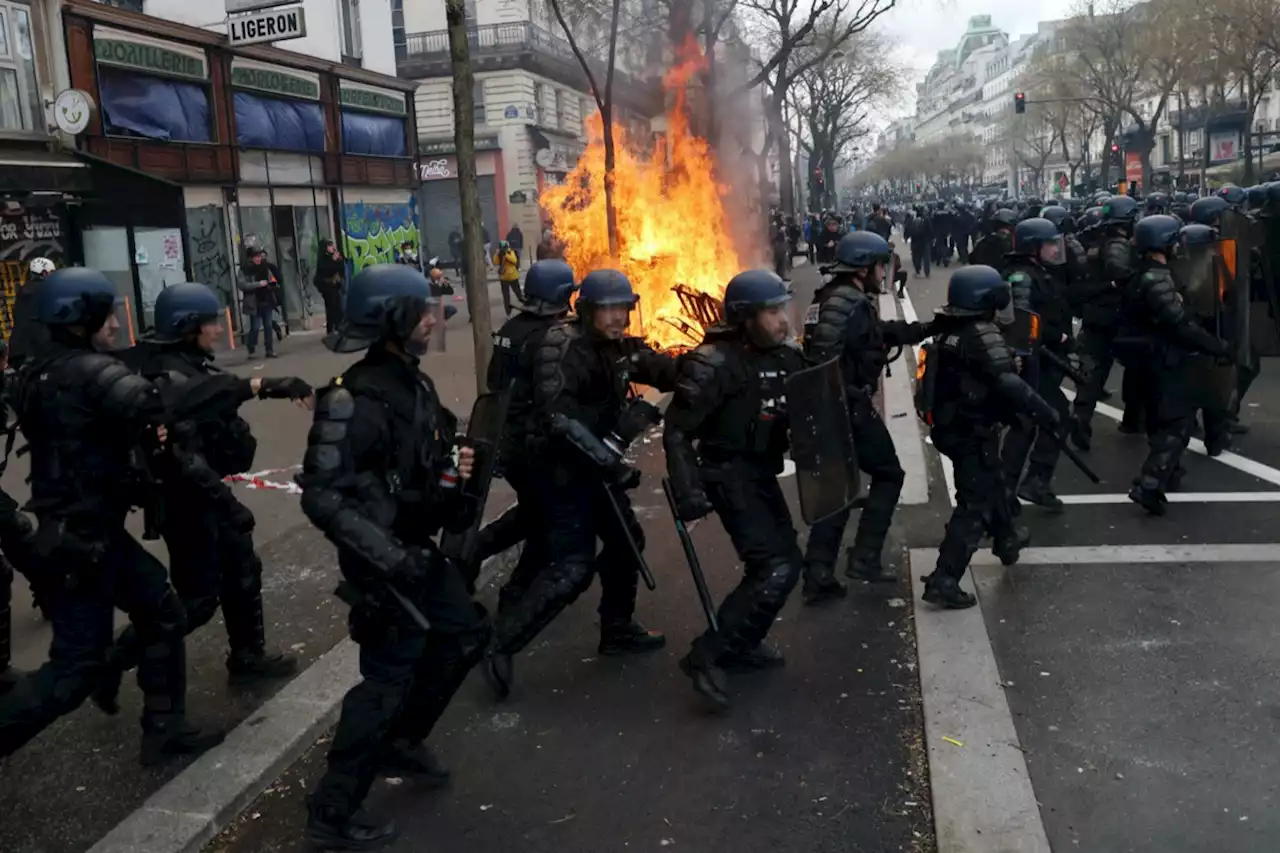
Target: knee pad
{"x":171,"y":615}
{"x":779,"y":579}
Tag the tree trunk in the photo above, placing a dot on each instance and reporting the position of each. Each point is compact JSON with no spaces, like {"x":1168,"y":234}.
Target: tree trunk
{"x":1251,"y":109}
{"x":611,"y":214}
{"x":464,"y":135}
{"x":786,"y":191}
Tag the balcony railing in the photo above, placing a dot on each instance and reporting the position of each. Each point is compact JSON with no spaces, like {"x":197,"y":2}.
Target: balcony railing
{"x":515,"y":37}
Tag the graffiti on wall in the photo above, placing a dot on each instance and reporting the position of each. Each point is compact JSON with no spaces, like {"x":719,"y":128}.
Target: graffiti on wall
{"x":25,"y":236}
{"x":210,"y":258}
{"x":372,"y":233}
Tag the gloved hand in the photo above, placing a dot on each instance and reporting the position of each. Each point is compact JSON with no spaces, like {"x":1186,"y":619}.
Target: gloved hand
{"x":410,"y":572}
{"x":624,"y":476}
{"x":241,"y":519}
{"x":282,"y":387}
{"x":1047,"y":418}
{"x":635,"y":419}
{"x":692,"y":506}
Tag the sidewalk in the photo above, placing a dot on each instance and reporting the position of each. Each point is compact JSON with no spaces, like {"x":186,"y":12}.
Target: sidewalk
{"x":98,"y":782}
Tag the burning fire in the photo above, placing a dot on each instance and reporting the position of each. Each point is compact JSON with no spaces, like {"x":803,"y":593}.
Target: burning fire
{"x":673,"y":236}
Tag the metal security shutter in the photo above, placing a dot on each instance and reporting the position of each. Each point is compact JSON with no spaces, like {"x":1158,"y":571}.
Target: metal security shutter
{"x":440,"y":211}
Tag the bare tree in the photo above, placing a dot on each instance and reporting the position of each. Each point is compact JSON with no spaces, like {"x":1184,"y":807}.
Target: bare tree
{"x":464,"y":136}
{"x":1244,"y":35}
{"x":604,"y":102}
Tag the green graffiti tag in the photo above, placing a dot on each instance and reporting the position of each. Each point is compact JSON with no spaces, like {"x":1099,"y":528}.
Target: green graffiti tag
{"x":380,"y":247}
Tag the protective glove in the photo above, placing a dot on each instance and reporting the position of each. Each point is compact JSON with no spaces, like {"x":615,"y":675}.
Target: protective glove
{"x":692,"y":506}
{"x":634,"y":420}
{"x":282,"y":387}
{"x":241,"y":519}
{"x":624,"y":476}
{"x":411,"y":572}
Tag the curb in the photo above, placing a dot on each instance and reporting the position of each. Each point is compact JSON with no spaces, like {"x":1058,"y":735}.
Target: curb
{"x":193,"y":807}
{"x":900,"y":416}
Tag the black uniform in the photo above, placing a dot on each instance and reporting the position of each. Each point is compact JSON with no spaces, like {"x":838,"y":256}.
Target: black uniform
{"x":1037,"y":289}
{"x":1154,"y":340}
{"x":976,"y":389}
{"x":371,"y":482}
{"x":991,"y":249}
{"x":208,"y":531}
{"x":725,"y":434}
{"x":1098,"y":300}
{"x":84,"y":414}
{"x":846,"y":324}
{"x":511,"y":369}
{"x":582,"y":389}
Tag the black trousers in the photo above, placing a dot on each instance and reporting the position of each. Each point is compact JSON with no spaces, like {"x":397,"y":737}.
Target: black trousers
{"x":1171,"y":419}
{"x":1025,"y":445}
{"x":509,"y":288}
{"x":981,"y":504}
{"x":754,"y":513}
{"x":1096,"y":350}
{"x":210,"y":564}
{"x":876,"y":457}
{"x":17,"y":544}
{"x":80,"y":604}
{"x":577,"y":512}
{"x":333,"y":308}
{"x":920,"y":259}
{"x":408,"y":677}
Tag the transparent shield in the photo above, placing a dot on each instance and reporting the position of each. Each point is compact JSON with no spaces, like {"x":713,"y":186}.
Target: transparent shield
{"x":483,"y":433}
{"x":822,"y":449}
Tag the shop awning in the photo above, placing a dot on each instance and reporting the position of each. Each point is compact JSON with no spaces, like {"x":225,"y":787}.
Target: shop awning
{"x":39,"y":171}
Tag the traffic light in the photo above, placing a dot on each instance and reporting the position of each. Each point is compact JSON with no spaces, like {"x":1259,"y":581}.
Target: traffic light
{"x":1019,"y":103}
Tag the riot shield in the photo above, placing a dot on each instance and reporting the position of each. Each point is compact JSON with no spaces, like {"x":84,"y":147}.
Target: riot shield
{"x":484,"y":431}
{"x":1206,"y":279}
{"x":1241,"y":241}
{"x":1023,"y":334}
{"x":821,"y":441}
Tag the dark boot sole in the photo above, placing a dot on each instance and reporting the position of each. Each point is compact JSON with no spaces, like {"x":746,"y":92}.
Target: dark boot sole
{"x":332,"y":841}
{"x":824,"y":594}
{"x":705,"y":687}
{"x":501,"y":687}
{"x":617,"y":651}
{"x":948,"y":603}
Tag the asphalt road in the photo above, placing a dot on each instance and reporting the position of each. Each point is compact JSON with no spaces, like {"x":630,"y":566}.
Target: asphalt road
{"x":80,"y":777}
{"x":601,"y":755}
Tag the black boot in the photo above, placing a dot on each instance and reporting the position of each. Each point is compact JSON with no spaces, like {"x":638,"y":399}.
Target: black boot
{"x":176,"y":739}
{"x":1081,"y":433}
{"x":1130,"y":426}
{"x":9,"y":678}
{"x":357,"y":832}
{"x":1008,"y":547}
{"x":1237,"y":428}
{"x":709,"y":681}
{"x":1149,"y":499}
{"x":868,"y":567}
{"x":500,"y":672}
{"x":256,"y":665}
{"x":821,"y":584}
{"x":1035,"y":490}
{"x":628,"y":638}
{"x":1218,"y":444}
{"x":404,"y":758}
{"x":106,"y":696}
{"x":1175,"y":479}
{"x":945,"y":591}
{"x":763,"y":656}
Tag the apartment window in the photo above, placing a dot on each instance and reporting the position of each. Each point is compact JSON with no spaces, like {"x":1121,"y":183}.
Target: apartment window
{"x":586,"y":106}
{"x":350,"y":29}
{"x":469,"y":8}
{"x":537,"y":103}
{"x":20,"y":107}
{"x":477,"y":100}
{"x":397,"y":28}
{"x":561,"y":121}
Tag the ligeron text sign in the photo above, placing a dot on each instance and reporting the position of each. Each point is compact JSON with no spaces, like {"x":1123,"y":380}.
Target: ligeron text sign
{"x":267,"y":25}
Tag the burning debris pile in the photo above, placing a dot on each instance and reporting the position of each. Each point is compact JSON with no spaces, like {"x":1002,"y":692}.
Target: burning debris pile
{"x":673,"y":232}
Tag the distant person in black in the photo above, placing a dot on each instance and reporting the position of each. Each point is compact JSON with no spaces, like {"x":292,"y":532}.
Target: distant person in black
{"x":330,"y":280}
{"x":28,"y":335}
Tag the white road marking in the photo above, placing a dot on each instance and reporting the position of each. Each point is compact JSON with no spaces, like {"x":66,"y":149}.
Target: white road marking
{"x":948,"y":470}
{"x":903,"y":423}
{"x":1176,"y":498}
{"x":1118,"y":554}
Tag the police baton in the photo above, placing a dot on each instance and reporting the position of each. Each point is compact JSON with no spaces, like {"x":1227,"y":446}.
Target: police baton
{"x":631,"y":540}
{"x":691,"y":556}
{"x":1067,"y":451}
{"x":1064,"y":365}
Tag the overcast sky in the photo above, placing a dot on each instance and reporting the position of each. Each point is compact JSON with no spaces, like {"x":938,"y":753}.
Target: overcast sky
{"x":921,"y":28}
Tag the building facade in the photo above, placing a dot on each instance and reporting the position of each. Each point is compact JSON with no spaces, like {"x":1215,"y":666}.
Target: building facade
{"x":531,"y":101}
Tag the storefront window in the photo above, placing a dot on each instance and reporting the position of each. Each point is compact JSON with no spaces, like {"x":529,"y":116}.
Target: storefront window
{"x":20,"y":107}
{"x":153,"y":107}
{"x":379,"y":136}
{"x":279,"y":123}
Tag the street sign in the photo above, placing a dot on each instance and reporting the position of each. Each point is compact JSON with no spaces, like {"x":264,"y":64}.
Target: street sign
{"x":267,"y":25}
{"x":235,"y":6}
{"x":72,"y":110}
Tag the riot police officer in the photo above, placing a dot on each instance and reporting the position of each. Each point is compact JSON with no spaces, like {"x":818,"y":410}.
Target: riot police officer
{"x":1156,"y":336}
{"x":997,"y":242}
{"x":724,"y":437}
{"x":844,"y":323}
{"x":588,"y":415}
{"x":1234,"y":196}
{"x":379,"y":480}
{"x":90,"y":422}
{"x":1099,"y":306}
{"x":1035,"y":285}
{"x":548,"y":286}
{"x":970,"y":387}
{"x":1075,"y":269}
{"x":207,"y":530}
{"x":17,"y":545}
{"x":1208,"y":210}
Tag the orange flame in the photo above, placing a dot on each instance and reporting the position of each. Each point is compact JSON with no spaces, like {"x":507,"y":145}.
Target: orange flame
{"x":672,"y":226}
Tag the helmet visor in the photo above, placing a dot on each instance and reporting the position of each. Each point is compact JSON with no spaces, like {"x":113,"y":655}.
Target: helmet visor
{"x":1053,"y":252}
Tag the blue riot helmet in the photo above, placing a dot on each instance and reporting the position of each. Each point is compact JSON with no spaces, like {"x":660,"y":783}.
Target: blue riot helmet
{"x":607,"y":287}
{"x":385,"y":302}
{"x":1234,"y":196}
{"x":1256,"y":196}
{"x":1207,"y":210}
{"x":1273,"y":195}
{"x":750,"y":291}
{"x":1030,"y":236}
{"x":548,"y":286}
{"x":975,"y":291}
{"x":181,"y":309}
{"x":1192,"y":197}
{"x":1003,"y":218}
{"x":1119,"y":210}
{"x":1157,"y":233}
{"x":1180,"y":197}
{"x":76,"y":296}
{"x":1197,"y":235}
{"x":1060,"y":217}
{"x":1157,"y":203}
{"x":1090,"y":219}
{"x":860,"y":250}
